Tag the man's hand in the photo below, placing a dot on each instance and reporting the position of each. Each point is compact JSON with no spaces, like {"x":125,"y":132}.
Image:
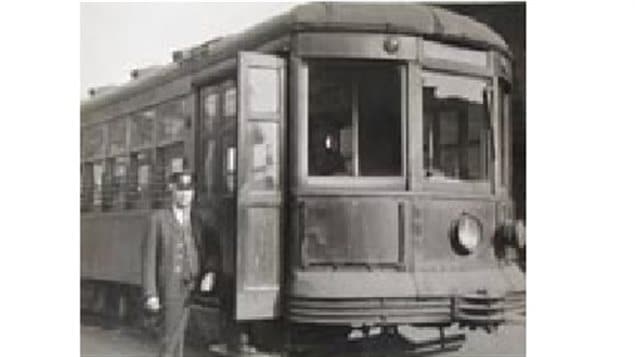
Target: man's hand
{"x":208,"y":282}
{"x":152,"y":304}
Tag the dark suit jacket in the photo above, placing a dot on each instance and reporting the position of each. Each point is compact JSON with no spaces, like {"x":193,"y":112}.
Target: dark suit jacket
{"x":159,"y":275}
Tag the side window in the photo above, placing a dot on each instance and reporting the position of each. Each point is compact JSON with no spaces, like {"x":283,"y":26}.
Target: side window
{"x":117,"y":137}
{"x":97,"y":179}
{"x":87,"y":186}
{"x":108,"y":191}
{"x":171,"y":127}
{"x":141,"y":145}
{"x":140,"y":173}
{"x":115,"y":185}
{"x":93,"y":147}
{"x":170,"y":159}
{"x":457,"y":129}
{"x":142,"y":125}
{"x":172,"y":119}
{"x":93,"y":141}
{"x":119,"y":181}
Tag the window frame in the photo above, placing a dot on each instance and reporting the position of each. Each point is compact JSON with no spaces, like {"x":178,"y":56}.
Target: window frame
{"x":497,"y":66}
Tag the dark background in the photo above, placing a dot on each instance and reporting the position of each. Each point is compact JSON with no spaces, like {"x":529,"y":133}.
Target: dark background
{"x":508,"y":20}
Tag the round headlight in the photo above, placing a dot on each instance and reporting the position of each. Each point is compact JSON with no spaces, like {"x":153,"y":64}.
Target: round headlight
{"x":468,"y":233}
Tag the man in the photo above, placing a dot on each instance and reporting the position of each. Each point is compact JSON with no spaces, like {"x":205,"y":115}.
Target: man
{"x":171,"y":264}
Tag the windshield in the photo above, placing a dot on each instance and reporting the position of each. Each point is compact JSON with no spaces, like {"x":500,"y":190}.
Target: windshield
{"x":456,"y":130}
{"x":355,"y":119}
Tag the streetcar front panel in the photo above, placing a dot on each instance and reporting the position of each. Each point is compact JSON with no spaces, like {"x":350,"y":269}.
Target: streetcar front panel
{"x":399,"y":182}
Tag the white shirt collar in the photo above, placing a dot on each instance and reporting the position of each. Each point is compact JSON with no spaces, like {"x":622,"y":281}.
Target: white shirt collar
{"x":179,"y":213}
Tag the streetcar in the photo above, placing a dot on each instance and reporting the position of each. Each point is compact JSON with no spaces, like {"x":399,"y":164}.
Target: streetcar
{"x":352,"y":171}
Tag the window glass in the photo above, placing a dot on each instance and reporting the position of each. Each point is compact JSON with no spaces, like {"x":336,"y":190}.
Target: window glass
{"x":209,"y":165}
{"x":170,"y":159}
{"x":172,"y":118}
{"x":98,"y":177}
{"x":330,"y":122}
{"x":230,"y":164}
{"x":118,"y":168}
{"x":263,"y":88}
{"x":263,"y":139}
{"x":87,"y":186}
{"x":210,"y":98}
{"x":108,"y":184}
{"x":93,"y":141}
{"x":229,"y":105}
{"x":456,"y":127}
{"x":142,"y":124}
{"x":117,"y":136}
{"x":351,"y":109}
{"x":380,"y":122}
{"x":140,"y":178}
{"x":210,"y":110}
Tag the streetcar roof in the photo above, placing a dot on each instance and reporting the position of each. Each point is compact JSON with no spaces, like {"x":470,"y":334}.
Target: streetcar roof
{"x":398,"y":18}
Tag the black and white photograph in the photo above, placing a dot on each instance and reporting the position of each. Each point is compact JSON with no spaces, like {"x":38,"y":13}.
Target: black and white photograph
{"x":302,"y":179}
{"x":308,"y":179}
{"x":350,"y":179}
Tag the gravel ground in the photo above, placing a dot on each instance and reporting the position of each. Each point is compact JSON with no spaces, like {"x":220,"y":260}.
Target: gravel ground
{"x":507,"y":341}
{"x":124,"y":342}
{"x":127,"y":342}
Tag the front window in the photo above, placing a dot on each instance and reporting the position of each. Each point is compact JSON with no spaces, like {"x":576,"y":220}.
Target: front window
{"x":355,"y":119}
{"x":457,"y":131}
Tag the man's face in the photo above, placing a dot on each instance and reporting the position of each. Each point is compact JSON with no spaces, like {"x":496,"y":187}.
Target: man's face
{"x":182,"y":198}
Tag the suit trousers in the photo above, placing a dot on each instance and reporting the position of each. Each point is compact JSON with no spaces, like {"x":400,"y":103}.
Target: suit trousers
{"x":176,"y":315}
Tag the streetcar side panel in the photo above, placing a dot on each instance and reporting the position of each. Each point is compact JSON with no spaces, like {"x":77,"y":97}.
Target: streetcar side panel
{"x":111,"y":246}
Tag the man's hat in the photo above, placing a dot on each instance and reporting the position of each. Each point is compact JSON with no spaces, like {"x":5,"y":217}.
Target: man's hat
{"x":182,"y":181}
